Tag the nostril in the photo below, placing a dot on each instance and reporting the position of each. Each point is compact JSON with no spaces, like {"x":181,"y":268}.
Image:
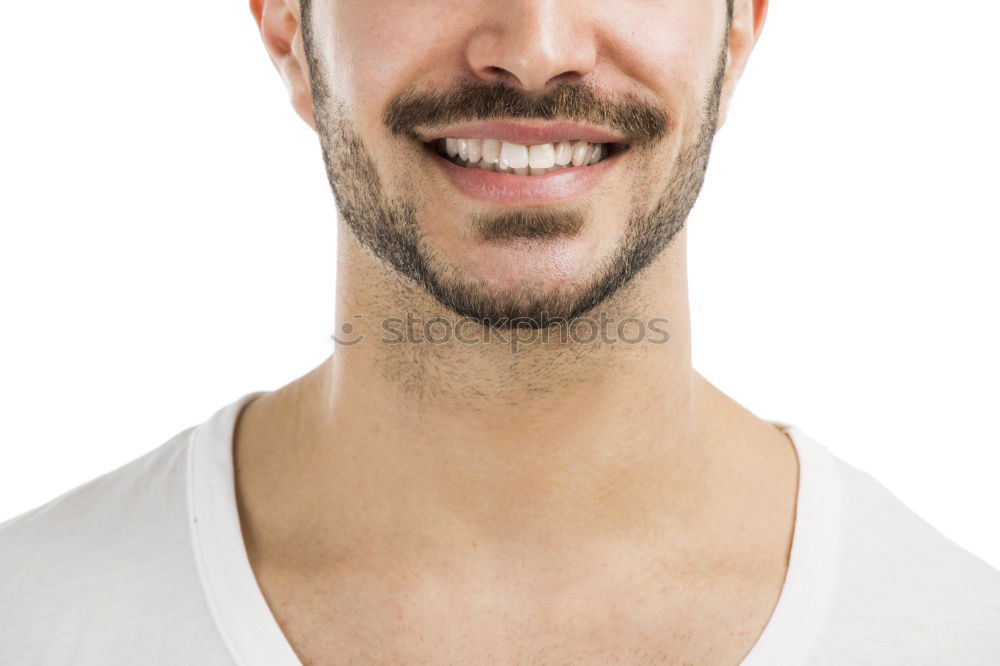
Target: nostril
{"x":501,"y":74}
{"x":565,"y":77}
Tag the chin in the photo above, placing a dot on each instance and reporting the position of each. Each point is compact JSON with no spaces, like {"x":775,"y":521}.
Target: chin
{"x":529,"y":263}
{"x":523,"y":280}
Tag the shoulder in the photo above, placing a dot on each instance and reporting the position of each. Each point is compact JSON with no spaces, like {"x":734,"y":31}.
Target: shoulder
{"x":104,"y":511}
{"x":101,"y":565}
{"x":901,"y":583}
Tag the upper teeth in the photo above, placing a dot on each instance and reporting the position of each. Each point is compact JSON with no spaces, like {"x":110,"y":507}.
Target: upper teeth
{"x":504,"y":156}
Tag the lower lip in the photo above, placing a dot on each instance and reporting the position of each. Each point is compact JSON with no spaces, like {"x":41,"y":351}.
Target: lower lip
{"x":507,"y":188}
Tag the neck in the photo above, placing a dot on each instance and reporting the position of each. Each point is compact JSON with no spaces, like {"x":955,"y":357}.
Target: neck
{"x":540,"y":443}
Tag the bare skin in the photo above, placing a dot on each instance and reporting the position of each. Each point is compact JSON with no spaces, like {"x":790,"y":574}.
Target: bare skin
{"x":464,"y":503}
{"x":636,"y":517}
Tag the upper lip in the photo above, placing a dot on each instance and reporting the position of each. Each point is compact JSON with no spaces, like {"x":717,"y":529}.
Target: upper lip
{"x":526,"y":133}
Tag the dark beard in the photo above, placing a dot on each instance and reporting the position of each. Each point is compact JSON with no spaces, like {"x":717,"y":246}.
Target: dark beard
{"x":388,"y":227}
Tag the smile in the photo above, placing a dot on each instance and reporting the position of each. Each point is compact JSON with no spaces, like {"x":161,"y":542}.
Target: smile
{"x":523,"y":160}
{"x":516,"y":163}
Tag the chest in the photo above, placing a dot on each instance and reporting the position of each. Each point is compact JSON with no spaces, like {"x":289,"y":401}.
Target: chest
{"x":667,"y":621}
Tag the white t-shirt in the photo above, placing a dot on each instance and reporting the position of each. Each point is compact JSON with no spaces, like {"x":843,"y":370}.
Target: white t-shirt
{"x":146,"y":565}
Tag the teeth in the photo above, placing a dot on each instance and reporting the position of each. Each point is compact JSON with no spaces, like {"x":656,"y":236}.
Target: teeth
{"x":513,"y":155}
{"x":521,"y":160}
{"x":595,"y":154}
{"x":542,"y":157}
{"x":491,"y":151}
{"x":581,"y":153}
{"x":475,"y":150}
{"x":564,"y":153}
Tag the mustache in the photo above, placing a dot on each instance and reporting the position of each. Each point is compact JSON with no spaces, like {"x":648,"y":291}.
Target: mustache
{"x":636,"y":120}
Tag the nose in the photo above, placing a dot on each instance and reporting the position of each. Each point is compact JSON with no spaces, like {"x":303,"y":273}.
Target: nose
{"x":532,"y":44}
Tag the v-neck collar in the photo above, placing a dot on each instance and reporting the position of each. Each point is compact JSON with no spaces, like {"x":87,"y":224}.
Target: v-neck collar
{"x":254,"y":638}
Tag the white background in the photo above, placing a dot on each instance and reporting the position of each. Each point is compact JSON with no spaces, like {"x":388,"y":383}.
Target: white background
{"x":167,"y":240}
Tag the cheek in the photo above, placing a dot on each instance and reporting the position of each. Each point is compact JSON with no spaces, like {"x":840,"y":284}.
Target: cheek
{"x":384,"y":46}
{"x":668,"y":49}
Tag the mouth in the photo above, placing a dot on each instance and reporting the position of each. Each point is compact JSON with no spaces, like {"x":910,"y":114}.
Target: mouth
{"x":524,"y":163}
{"x":519,"y":159}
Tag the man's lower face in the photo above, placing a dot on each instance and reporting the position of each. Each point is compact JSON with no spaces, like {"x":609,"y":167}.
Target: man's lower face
{"x":522,"y":217}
